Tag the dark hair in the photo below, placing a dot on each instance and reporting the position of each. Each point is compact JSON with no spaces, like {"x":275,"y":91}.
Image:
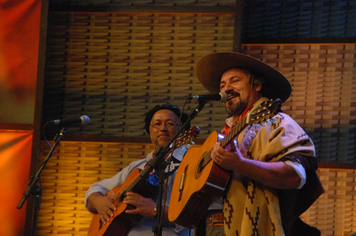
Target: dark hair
{"x":170,"y":107}
{"x":258,"y":79}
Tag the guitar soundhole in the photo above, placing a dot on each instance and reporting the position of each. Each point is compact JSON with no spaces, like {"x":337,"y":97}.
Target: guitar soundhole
{"x":123,"y":195}
{"x":200,"y":166}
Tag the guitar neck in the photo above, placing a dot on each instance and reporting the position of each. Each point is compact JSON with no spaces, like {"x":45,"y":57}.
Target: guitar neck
{"x":265,"y":111}
{"x":121,"y":195}
{"x":180,"y":141}
{"x":234,"y":131}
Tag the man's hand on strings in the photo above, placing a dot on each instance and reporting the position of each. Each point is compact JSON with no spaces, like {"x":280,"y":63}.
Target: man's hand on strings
{"x":104,"y":206}
{"x":228,"y":157}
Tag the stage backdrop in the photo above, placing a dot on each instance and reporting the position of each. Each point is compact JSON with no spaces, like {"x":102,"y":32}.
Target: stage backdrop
{"x":19,"y":43}
{"x":15,"y":153}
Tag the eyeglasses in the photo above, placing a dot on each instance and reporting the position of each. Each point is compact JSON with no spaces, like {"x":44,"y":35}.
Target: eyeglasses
{"x":168,"y":125}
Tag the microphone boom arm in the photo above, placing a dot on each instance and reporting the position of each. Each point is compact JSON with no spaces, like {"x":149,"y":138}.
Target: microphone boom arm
{"x":36,"y":190}
{"x":159,"y":163}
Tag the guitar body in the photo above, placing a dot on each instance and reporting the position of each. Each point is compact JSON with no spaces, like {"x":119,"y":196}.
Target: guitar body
{"x":121,"y":222}
{"x":196,"y":187}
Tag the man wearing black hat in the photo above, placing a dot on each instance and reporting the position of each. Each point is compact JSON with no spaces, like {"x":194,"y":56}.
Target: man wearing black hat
{"x":273,"y":164}
{"x":161,"y":123}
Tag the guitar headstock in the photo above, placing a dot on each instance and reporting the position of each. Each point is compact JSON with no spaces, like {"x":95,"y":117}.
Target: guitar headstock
{"x":266,"y":110}
{"x":187,"y":137}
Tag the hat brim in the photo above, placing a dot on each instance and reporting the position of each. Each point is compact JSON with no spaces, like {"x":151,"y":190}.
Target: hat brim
{"x":210,"y":68}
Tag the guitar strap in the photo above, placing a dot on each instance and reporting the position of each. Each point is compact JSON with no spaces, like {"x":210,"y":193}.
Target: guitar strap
{"x":172,"y":166}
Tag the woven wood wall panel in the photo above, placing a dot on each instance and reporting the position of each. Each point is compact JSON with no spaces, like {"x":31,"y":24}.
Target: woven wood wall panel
{"x":75,"y":166}
{"x":114,"y":67}
{"x":334,"y":211}
{"x":276,"y":19}
{"x":323,"y":99}
{"x":263,"y":20}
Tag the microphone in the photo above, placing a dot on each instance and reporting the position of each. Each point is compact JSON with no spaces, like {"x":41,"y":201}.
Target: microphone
{"x":222,"y":96}
{"x":83,"y":120}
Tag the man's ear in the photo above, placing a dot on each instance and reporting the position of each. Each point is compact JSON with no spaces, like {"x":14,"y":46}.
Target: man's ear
{"x":258,"y":86}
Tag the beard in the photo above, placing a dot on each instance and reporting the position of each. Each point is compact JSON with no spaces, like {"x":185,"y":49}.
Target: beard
{"x":236,"y":109}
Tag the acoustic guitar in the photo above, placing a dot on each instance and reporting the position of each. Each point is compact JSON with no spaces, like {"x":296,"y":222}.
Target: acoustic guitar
{"x":137,"y":182}
{"x":199,"y":181}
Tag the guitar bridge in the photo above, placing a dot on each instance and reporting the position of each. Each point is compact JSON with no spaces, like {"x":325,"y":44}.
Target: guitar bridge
{"x":181,"y":185}
{"x":182,"y":182}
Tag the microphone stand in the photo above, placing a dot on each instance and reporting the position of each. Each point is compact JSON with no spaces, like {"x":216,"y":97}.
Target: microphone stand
{"x":34,"y":189}
{"x":159,"y":164}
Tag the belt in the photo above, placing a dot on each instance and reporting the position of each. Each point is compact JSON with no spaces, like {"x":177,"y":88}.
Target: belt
{"x":214,"y":218}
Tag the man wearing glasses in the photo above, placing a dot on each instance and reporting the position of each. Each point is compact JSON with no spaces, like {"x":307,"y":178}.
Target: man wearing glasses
{"x":161,"y":123}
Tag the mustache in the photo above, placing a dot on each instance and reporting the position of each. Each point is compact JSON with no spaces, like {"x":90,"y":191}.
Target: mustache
{"x":232,"y":95}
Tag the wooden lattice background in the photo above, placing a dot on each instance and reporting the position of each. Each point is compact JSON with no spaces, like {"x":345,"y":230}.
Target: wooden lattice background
{"x":113,"y":66}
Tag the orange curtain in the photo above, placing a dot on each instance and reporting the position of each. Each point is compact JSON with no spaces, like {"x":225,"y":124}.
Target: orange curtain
{"x":15,"y":159}
{"x":19,"y":44}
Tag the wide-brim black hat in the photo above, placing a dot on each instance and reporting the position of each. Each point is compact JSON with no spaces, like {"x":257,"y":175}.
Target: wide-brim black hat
{"x":210,"y":68}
